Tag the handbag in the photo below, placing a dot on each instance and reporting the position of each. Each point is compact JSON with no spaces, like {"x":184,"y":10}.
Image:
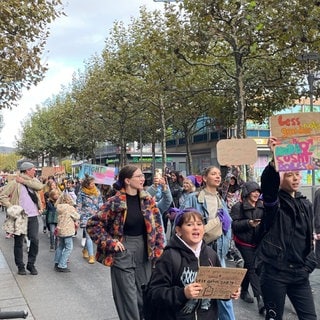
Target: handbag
{"x":212,"y":230}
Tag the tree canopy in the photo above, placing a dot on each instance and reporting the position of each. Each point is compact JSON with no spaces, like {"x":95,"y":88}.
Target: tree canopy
{"x":24,"y":29}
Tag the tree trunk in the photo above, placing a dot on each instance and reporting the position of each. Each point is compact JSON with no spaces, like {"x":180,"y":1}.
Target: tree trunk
{"x":163,"y":135}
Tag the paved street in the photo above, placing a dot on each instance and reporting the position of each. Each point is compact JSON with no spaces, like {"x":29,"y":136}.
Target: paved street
{"x":85,"y":293}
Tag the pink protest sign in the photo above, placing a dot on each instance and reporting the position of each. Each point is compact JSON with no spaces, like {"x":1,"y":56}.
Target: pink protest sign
{"x":300,"y":153}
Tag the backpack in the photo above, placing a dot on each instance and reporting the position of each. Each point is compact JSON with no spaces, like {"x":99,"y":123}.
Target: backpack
{"x":150,"y":311}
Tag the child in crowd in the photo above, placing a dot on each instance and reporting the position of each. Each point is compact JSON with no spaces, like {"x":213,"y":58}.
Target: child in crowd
{"x":67,"y":220}
{"x":51,"y":217}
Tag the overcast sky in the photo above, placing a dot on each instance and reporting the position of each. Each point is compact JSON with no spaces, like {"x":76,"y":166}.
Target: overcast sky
{"x":73,"y":39}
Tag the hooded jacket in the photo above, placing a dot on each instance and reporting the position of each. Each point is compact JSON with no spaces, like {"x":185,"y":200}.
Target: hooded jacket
{"x":167,"y":288}
{"x":279,"y":247}
{"x":241,"y":213}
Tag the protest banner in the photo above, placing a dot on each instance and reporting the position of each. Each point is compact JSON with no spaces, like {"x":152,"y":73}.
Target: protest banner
{"x":219,"y":283}
{"x":236,"y":151}
{"x":101,"y":174}
{"x":299,"y":141}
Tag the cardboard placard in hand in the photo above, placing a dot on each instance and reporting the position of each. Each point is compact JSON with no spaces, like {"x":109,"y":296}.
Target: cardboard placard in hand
{"x":292,"y":125}
{"x":219,"y":283}
{"x":236,"y":151}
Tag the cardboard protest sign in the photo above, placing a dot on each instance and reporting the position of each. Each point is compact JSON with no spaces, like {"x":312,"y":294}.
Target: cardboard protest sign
{"x":294,"y":125}
{"x":219,"y":283}
{"x":299,"y":141}
{"x":236,"y":151}
{"x":52,"y":171}
{"x":300,"y":153}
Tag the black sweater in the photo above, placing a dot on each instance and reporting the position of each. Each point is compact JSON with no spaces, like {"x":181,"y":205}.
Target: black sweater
{"x":167,"y":288}
{"x":288,"y":242}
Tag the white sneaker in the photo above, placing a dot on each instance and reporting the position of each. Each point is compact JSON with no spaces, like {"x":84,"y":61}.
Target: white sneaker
{"x":83,"y":242}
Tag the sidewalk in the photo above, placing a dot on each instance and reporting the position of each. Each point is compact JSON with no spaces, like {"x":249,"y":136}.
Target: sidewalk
{"x":11,"y":298}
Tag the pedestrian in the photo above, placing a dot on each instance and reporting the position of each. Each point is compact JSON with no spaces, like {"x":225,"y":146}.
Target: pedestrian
{"x":52,"y":217}
{"x":209,"y":202}
{"x":190,"y":185}
{"x":67,"y":220}
{"x":316,"y":208}
{"x":161,"y":193}
{"x":23,"y":191}
{"x":129,"y":235}
{"x":89,"y":201}
{"x":286,"y":252}
{"x":246,"y":217}
{"x":173,"y":291}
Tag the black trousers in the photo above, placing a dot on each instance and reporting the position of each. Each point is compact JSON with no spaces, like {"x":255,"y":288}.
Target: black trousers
{"x":248,"y":255}
{"x":276,"y":284}
{"x":317,"y":251}
{"x":33,"y":236}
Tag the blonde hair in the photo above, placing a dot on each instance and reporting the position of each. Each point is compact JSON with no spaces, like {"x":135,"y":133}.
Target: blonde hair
{"x":52,"y":193}
{"x":65,"y":198}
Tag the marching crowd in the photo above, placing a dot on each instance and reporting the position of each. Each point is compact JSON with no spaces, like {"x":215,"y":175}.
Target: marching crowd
{"x":157,"y":236}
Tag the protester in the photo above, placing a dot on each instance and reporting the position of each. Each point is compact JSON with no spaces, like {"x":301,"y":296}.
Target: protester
{"x":173,"y":292}
{"x":162,"y":194}
{"x":286,"y":252}
{"x":316,"y":208}
{"x":52,"y":217}
{"x":211,"y":205}
{"x":246,"y":216}
{"x":89,"y":201}
{"x":67,"y":219}
{"x":129,"y":235}
{"x":23,"y":191}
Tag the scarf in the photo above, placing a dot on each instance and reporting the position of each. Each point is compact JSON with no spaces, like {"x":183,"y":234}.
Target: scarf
{"x":90,"y":192}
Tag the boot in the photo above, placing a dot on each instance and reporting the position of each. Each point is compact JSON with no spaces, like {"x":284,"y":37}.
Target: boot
{"x":261,"y":307}
{"x":85,"y":254}
{"x":91,"y":260}
{"x":245,"y":296}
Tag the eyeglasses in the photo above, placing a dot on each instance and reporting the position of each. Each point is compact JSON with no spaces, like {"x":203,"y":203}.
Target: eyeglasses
{"x":140,"y":176}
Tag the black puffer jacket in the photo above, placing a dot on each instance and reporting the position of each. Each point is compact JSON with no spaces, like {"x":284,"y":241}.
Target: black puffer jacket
{"x":167,"y":288}
{"x":241,"y":213}
{"x":285,"y":218}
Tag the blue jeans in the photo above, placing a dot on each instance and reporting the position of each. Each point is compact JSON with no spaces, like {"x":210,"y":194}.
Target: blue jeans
{"x":276,"y":284}
{"x":225,"y":307}
{"x":65,"y":246}
{"x":89,"y":244}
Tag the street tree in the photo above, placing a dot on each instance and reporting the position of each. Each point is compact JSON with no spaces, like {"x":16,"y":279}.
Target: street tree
{"x":255,"y":46}
{"x":24,"y":29}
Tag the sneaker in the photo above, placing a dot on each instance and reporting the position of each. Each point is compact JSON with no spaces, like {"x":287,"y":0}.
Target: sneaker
{"x":56,"y":266}
{"x":22,"y":271}
{"x":62,"y":269}
{"x":31,"y":268}
{"x":44,"y":230}
{"x":239,"y":263}
{"x":229,"y":256}
{"x":51,"y":248}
